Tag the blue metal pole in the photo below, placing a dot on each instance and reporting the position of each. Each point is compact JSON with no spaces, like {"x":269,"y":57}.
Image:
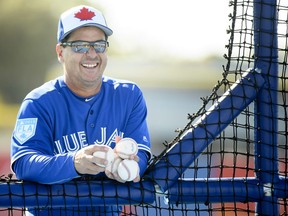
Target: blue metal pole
{"x":75,"y":193}
{"x":210,"y":190}
{"x":266,"y":58}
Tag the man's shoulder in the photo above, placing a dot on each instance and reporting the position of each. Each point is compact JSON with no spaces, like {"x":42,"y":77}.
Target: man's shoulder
{"x":119,"y":84}
{"x":48,"y":89}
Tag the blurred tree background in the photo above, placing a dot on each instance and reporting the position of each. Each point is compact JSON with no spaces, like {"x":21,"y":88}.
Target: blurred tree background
{"x":26,"y":44}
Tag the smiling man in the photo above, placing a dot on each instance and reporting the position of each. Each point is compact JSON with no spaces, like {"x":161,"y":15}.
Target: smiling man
{"x":63,"y":122}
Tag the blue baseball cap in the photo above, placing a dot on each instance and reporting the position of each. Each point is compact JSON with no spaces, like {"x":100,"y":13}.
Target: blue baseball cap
{"x":78,"y":17}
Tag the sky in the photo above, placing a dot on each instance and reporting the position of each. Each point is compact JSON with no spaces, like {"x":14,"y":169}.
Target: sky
{"x":183,"y":28}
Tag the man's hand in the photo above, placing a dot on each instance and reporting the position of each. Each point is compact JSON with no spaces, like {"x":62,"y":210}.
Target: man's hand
{"x":85,"y":162}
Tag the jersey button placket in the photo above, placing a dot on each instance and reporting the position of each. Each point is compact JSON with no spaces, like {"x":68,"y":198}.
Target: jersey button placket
{"x":91,"y":125}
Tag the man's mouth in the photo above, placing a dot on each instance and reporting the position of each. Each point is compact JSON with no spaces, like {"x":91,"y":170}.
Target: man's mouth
{"x":90,"y":65}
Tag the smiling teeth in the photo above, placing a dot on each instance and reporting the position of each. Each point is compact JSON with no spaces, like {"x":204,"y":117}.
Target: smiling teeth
{"x":89,"y":65}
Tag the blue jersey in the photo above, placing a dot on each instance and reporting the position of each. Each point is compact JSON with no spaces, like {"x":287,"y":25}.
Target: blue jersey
{"x":53,"y":124}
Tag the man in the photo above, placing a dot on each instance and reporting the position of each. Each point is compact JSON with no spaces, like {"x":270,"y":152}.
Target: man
{"x":62,"y":123}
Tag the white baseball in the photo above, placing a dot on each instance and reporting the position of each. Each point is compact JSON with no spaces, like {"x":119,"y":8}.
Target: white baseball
{"x":126,"y":147}
{"x":128,"y":170}
{"x":114,"y":165}
{"x":109,"y":156}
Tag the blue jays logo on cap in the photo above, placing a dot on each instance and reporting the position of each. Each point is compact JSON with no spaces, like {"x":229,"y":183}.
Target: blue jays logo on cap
{"x":84,"y":14}
{"x":25,"y":129}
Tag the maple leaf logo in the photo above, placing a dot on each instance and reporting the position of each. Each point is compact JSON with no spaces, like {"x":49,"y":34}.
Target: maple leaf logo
{"x":84,"y":14}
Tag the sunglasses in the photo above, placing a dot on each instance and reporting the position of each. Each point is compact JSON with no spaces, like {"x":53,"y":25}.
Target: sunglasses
{"x":84,"y":46}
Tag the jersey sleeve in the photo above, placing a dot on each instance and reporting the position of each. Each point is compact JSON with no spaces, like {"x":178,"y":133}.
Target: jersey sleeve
{"x":32,"y":154}
{"x":137,"y":128}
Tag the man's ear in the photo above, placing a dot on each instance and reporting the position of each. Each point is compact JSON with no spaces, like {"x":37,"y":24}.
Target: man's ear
{"x":59,"y":51}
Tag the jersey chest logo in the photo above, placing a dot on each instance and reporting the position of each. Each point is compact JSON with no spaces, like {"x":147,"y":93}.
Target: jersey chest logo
{"x":25,"y":129}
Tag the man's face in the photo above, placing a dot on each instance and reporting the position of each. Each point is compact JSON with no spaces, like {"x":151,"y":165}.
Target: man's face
{"x":83,"y":71}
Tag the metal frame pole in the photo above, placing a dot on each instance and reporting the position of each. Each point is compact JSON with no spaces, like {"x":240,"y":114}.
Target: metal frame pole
{"x":266,"y":61}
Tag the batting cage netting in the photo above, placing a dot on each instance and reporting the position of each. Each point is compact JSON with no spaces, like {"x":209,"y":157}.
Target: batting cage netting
{"x":231,"y":157}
